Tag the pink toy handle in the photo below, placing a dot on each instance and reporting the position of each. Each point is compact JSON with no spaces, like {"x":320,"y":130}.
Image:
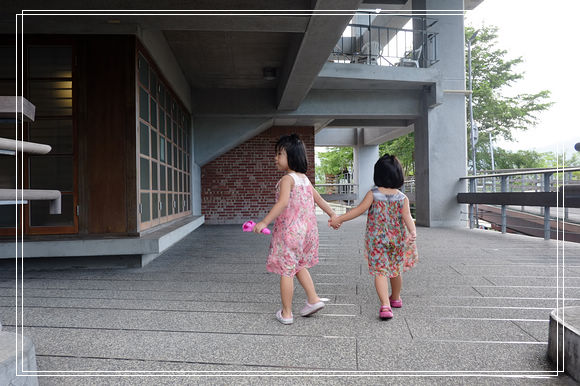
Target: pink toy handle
{"x":249,"y":227}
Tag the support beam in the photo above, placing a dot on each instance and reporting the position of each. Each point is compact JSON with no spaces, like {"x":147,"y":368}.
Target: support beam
{"x":306,"y":58}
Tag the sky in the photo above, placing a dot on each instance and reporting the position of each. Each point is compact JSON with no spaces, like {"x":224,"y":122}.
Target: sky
{"x":544,"y":34}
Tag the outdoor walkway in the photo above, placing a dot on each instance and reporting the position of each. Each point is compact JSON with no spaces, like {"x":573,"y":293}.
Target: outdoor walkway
{"x":478,"y":303}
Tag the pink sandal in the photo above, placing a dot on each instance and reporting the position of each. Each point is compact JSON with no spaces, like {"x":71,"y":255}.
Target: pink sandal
{"x":396,"y":303}
{"x":385,"y":312}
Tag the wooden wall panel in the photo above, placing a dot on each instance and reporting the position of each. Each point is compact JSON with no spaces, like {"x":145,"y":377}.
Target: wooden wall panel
{"x":107,"y":135}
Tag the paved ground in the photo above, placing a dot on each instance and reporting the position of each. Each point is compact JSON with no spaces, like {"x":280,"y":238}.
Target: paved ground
{"x":475,"y":311}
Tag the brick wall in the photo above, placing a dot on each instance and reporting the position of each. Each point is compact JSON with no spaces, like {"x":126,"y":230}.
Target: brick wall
{"x":240,"y":185}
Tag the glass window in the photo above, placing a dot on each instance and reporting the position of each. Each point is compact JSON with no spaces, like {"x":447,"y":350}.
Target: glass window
{"x":7,"y":216}
{"x":169,"y":179}
{"x":153,"y":113}
{"x":153,"y":84}
{"x":161,"y":177}
{"x":169,"y":204}
{"x":175,"y":156}
{"x":161,"y":149}
{"x":58,"y":133}
{"x":154,"y":206}
{"x":143,"y":104}
{"x":51,"y":172}
{"x":161,"y":122}
{"x":144,"y":138}
{"x":145,"y":207}
{"x":153,"y":175}
{"x":169,"y":159}
{"x":144,"y":173}
{"x":40,"y":213}
{"x":161,"y":95}
{"x":153,"y":144}
{"x":51,"y":98}
{"x":50,"y":62}
{"x":143,"y":72}
{"x":163,"y":205}
{"x":176,"y":184}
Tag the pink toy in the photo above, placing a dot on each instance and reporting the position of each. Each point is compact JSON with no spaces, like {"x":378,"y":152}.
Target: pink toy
{"x":249,"y":227}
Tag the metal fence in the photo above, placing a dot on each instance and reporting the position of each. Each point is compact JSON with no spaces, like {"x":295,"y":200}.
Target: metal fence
{"x":372,"y":43}
{"x":543,"y":188}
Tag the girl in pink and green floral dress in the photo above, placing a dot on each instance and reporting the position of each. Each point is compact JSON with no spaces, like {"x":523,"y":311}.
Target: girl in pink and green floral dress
{"x":390,"y":235}
{"x":294,"y":244}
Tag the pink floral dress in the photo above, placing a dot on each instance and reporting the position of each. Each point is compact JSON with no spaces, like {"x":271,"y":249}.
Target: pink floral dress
{"x":294,"y":243}
{"x":387,"y":252}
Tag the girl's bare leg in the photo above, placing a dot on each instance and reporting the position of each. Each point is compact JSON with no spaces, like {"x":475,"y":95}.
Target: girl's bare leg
{"x":382,"y":287}
{"x":306,"y":282}
{"x":396,"y":285}
{"x":286,"y":293}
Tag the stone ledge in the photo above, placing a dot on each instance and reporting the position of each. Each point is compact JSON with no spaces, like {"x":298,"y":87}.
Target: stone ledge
{"x":564,"y":340}
{"x":141,"y":249}
{"x":8,"y":357}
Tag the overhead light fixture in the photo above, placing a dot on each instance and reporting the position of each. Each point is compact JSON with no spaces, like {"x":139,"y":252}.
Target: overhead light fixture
{"x":269,"y":73}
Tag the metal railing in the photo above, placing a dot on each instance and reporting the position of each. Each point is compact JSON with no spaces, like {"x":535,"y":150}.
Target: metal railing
{"x":559,"y":188}
{"x":388,"y":46}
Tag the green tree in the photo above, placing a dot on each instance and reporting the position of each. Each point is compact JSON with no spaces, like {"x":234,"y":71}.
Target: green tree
{"x":404,"y":149}
{"x":333,"y":162}
{"x":493,"y":112}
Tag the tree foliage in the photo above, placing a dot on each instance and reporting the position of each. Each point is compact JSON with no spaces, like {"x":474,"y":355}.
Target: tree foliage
{"x":494,"y":112}
{"x":404,"y":149}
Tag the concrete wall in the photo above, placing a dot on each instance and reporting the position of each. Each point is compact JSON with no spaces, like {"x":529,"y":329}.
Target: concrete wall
{"x":440,"y":137}
{"x":240,"y":185}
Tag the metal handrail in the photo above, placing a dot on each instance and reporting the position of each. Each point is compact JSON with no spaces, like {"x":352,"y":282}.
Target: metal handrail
{"x":545,"y":199}
{"x":354,"y":52}
{"x":530,"y":171}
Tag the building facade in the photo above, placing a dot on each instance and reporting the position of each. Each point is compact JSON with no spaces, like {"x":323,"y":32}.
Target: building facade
{"x":159,"y":123}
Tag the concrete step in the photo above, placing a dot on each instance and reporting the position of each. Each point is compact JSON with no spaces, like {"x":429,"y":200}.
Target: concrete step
{"x":26,"y":357}
{"x":564,"y":340}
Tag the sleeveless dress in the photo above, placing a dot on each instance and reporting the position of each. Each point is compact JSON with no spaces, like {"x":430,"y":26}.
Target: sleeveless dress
{"x":387,"y":252}
{"x":294,"y":243}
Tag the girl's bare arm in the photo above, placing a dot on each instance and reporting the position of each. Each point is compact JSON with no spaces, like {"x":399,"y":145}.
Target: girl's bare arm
{"x":408,"y":220}
{"x":353,"y":213}
{"x":321,"y":202}
{"x":285,"y":188}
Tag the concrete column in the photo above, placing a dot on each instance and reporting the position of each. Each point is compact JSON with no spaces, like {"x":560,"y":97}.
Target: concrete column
{"x":364,"y":159}
{"x":440,"y":135}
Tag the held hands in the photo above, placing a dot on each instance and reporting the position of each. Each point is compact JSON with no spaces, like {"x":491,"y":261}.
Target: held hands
{"x":411,"y":237}
{"x":334,"y":222}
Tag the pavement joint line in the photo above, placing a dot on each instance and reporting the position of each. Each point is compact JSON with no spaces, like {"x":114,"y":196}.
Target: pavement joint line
{"x":159,"y":290}
{"x":485,"y":278}
{"x":408,"y":327}
{"x":493,"y":307}
{"x":157,"y":310}
{"x":494,"y":319}
{"x":480,"y":341}
{"x":453,"y":268}
{"x":182,"y":331}
{"x":526,"y":332}
{"x":475,"y":289}
{"x":166,"y":361}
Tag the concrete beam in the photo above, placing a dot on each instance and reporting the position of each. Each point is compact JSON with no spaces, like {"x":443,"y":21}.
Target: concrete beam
{"x":305,"y":60}
{"x":370,"y":123}
{"x":215,"y":136}
{"x":335,"y":137}
{"x":318,"y":104}
{"x":377,"y":136}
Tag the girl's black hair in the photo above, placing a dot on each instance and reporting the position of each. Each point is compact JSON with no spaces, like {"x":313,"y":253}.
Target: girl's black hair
{"x":295,"y":151}
{"x":389,"y":172}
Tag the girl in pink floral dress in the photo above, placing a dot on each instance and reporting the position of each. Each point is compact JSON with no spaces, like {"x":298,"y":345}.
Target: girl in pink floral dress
{"x":294,"y":245}
{"x":390,"y":236}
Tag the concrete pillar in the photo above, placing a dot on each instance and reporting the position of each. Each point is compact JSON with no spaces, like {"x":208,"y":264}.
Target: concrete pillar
{"x":364,"y":159}
{"x":440,"y":135}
